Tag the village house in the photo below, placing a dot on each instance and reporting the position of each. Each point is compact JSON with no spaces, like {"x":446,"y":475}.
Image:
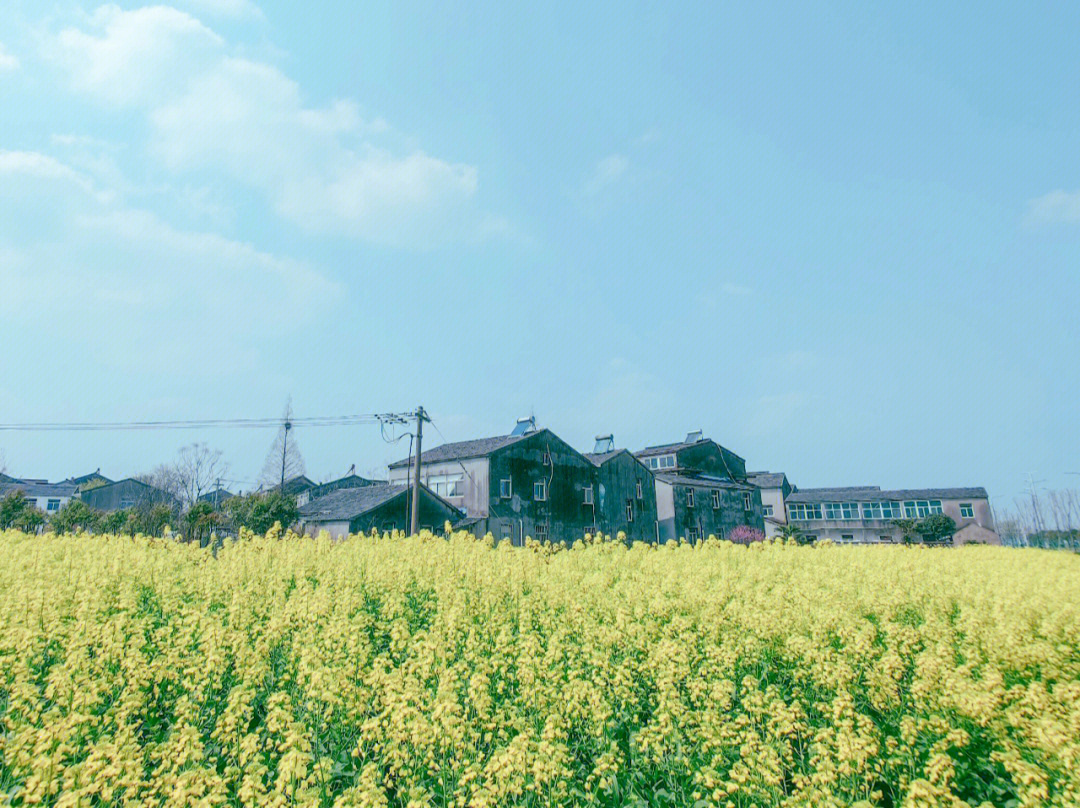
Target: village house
{"x":40,"y":494}
{"x":348,"y":481}
{"x":529,"y":483}
{"x":124,"y":494}
{"x":624,"y":499}
{"x":866,"y":514}
{"x":701,"y":490}
{"x":382,"y":507}
{"x":775,"y":489}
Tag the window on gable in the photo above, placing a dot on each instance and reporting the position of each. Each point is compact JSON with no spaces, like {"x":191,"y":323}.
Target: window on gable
{"x":689,"y":497}
{"x":504,"y":489}
{"x":715,"y":498}
{"x":588,"y":495}
{"x":640,"y":490}
{"x":629,"y":510}
{"x":540,"y":490}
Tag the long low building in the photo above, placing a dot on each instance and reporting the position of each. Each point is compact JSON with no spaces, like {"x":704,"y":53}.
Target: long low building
{"x":383,"y":507}
{"x":866,"y":514}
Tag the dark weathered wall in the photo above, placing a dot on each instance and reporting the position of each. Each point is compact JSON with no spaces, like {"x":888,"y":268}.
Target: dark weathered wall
{"x":618,"y":479}
{"x":110,"y":497}
{"x":565,"y":512}
{"x":715,"y":521}
{"x":394,"y":515}
{"x":709,"y":457}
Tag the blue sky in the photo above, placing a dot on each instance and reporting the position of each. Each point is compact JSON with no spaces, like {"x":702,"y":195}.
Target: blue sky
{"x":843,"y":240}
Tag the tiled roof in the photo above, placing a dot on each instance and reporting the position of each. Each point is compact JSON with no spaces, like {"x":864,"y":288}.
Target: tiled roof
{"x":670,"y":448}
{"x":765,"y":479}
{"x":603,"y":457}
{"x":464,"y":449}
{"x":347,"y":503}
{"x":866,"y":493}
{"x":39,"y":489}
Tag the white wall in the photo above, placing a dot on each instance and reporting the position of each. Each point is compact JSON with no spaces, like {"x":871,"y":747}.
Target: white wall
{"x":476,"y":473}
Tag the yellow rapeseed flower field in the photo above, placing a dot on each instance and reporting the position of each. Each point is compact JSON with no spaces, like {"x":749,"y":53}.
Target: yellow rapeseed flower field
{"x":414,"y":671}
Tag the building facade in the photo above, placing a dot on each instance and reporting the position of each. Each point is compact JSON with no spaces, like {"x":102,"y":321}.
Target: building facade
{"x":865,"y":515}
{"x":529,"y":483}
{"x":774,"y":488}
{"x":45,"y":496}
{"x":702,"y":490}
{"x":625,"y":496}
{"x":124,"y":494}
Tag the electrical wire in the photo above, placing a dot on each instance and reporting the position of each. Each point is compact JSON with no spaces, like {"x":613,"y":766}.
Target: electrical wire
{"x":207,"y":423}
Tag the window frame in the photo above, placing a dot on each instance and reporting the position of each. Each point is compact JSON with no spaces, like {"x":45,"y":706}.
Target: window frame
{"x":716,"y":499}
{"x":766,"y":510}
{"x":967,"y":510}
{"x":748,"y":501}
{"x":588,"y":492}
{"x":543,"y":490}
{"x":690,"y":497}
{"x":629,"y":510}
{"x":52,"y":504}
{"x":506,"y":488}
{"x":541,"y":531}
{"x":640,"y":490}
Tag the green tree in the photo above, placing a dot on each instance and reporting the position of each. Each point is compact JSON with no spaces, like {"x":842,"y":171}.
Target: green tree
{"x":29,"y":520}
{"x":259,"y":512}
{"x":75,"y":516}
{"x":788,"y":532}
{"x":909,"y":530}
{"x":200,"y":521}
{"x":115,"y":522}
{"x":12,"y":508}
{"x":937,"y":528}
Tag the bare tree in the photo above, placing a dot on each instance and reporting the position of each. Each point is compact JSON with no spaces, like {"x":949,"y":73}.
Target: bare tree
{"x":198,"y":469}
{"x":165,"y":484}
{"x":284,"y":460}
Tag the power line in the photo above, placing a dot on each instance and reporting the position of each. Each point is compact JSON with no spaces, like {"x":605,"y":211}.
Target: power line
{"x":205,"y":423}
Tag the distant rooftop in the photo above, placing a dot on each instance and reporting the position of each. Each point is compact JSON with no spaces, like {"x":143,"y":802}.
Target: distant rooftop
{"x":868,"y":492}
{"x":463,"y":449}
{"x":766,"y":479}
{"x":346,"y":504}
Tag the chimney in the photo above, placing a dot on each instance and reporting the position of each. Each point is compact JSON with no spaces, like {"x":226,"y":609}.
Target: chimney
{"x":604,"y":444}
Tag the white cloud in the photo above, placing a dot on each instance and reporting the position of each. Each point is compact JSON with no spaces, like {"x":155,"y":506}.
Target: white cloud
{"x":1057,"y":207}
{"x":606,"y":173}
{"x":151,"y":289}
{"x":8,"y":61}
{"x":131,"y":57}
{"x":323,"y":168}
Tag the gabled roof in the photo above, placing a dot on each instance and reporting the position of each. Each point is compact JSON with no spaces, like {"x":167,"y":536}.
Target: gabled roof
{"x":348,"y":481}
{"x":94,"y":475}
{"x":466,"y":449}
{"x":37,"y":488}
{"x":672,"y":448}
{"x":346,"y":504}
{"x":871,"y":492}
{"x":216,"y":495}
{"x":603,"y":457}
{"x":766,"y":479}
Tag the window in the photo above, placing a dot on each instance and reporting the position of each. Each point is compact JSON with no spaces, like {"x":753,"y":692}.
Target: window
{"x":629,"y":510}
{"x":31,"y":501}
{"x":504,"y":489}
{"x":748,"y":501}
{"x":766,"y":510}
{"x":847,"y":537}
{"x":590,"y":530}
{"x":693,"y":534}
{"x":715,"y":498}
{"x":880,"y":510}
{"x":966,"y":511}
{"x":541,"y":531}
{"x":447,"y":485}
{"x":508,"y":531}
{"x":810,"y":538}
{"x":126,"y":503}
{"x":804,"y":510}
{"x":640,"y":490}
{"x":689,"y":497}
{"x":662,"y":462}
{"x":848,"y":511}
{"x":52,"y":505}
{"x":547,"y":458}
{"x":921,"y":507}
{"x":885,"y":538}
{"x":540,"y":490}
{"x":588,"y":495}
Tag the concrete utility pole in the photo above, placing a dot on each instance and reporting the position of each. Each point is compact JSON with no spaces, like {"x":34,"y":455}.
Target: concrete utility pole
{"x":414,"y":522}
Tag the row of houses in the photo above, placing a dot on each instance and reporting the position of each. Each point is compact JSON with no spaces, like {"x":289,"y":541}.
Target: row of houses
{"x":531,"y":483}
{"x":95,"y":489}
